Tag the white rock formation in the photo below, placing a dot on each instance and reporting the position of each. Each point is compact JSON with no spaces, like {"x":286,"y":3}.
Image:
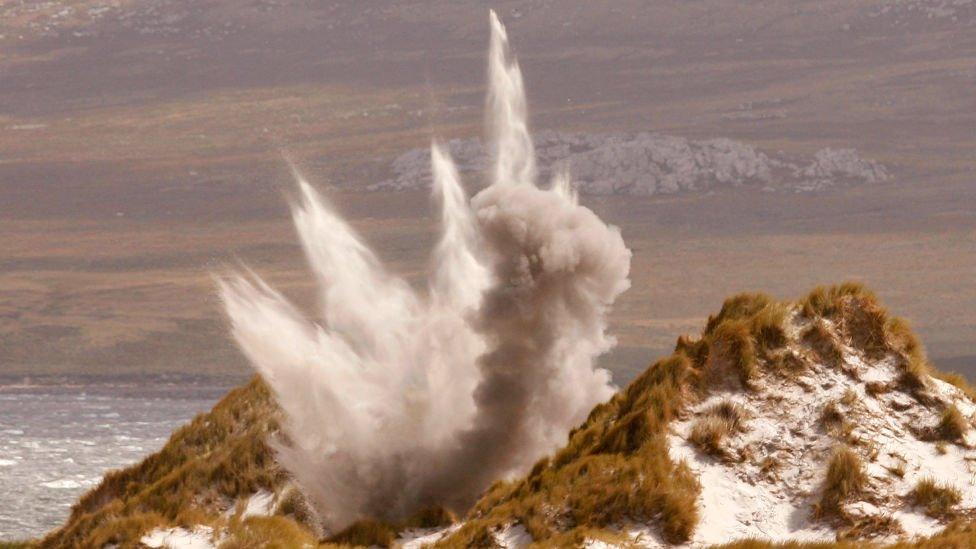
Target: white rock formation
{"x":649,"y":164}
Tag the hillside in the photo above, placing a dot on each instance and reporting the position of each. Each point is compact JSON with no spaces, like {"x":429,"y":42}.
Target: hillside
{"x":165,"y":120}
{"x":819,"y":419}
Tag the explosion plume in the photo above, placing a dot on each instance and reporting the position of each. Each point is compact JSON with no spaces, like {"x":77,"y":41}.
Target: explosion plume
{"x":396,"y":399}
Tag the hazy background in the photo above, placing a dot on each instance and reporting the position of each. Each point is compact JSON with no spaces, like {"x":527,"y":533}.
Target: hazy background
{"x":141,"y":140}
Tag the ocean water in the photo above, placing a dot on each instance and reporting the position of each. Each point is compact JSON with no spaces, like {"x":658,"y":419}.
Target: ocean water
{"x":58,"y":439}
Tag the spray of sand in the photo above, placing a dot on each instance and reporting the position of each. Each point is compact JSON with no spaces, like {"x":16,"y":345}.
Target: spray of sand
{"x":396,"y":399}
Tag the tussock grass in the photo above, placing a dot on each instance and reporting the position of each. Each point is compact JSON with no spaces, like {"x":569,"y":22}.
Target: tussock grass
{"x":819,"y":337}
{"x":767,"y":326}
{"x":366,"y":533}
{"x":953,"y":425}
{"x":294,"y":505}
{"x":714,"y":425}
{"x":937,"y":499}
{"x":707,"y":434}
{"x":911,"y":356}
{"x":865,"y":323}
{"x":432,"y":516}
{"x":615,"y":467}
{"x":831,"y":417}
{"x":845,"y":480}
{"x":828,"y":301}
{"x":732,"y":350}
{"x":220,"y":455}
{"x":788,"y":364}
{"x":748,"y":324}
{"x":267,"y":532}
{"x":770,"y":465}
{"x":731,"y":412}
{"x":957,"y":381}
{"x":957,"y":535}
{"x":122,"y":529}
{"x":874,"y":526}
{"x":897,"y":469}
{"x":745,"y":306}
{"x":622,"y":443}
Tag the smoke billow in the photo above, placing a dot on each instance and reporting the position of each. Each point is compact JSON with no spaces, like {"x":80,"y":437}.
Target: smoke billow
{"x":395,"y":400}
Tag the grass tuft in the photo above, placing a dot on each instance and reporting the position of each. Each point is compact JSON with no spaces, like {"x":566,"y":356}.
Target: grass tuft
{"x":937,"y":499}
{"x":615,"y":467}
{"x":732,"y":350}
{"x":819,"y":337}
{"x":831,"y":417}
{"x":365,"y":533}
{"x":953,"y":425}
{"x":707,"y":434}
{"x":827,"y":301}
{"x":845,"y":480}
{"x":220,"y":455}
{"x":272,"y":532}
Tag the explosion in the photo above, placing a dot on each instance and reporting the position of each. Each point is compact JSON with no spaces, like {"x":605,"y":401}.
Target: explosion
{"x":397,"y":399}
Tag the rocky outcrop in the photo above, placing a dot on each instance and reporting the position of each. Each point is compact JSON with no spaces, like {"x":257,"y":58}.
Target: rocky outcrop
{"x":650,"y":164}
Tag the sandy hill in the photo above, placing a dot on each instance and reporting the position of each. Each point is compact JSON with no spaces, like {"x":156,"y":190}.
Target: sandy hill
{"x":815,"y":421}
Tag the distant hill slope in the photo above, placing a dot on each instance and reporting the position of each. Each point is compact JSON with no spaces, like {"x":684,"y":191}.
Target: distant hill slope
{"x":816,"y":420}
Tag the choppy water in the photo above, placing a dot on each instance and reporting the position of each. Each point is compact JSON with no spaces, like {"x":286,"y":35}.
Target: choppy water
{"x":56,"y":441}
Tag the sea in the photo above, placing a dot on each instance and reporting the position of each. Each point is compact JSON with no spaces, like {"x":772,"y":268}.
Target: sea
{"x":58,"y":437}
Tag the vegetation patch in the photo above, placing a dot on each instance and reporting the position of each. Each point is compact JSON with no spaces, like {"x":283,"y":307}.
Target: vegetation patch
{"x":831,"y":418}
{"x":220,"y":455}
{"x":714,"y":425}
{"x":267,"y":532}
{"x":615,"y":467}
{"x":366,"y":533}
{"x":845,"y":480}
{"x":823,"y":342}
{"x":952,"y":425}
{"x":937,"y":499}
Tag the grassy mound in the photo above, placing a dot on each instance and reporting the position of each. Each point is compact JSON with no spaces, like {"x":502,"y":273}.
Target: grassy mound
{"x":616,"y":466}
{"x":614,"y":469}
{"x":218,"y":457}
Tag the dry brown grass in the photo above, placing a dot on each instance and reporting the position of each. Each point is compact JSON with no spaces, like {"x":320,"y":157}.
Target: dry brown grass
{"x":937,"y":499}
{"x":845,"y":480}
{"x":366,"y":533}
{"x":958,"y":535}
{"x":714,"y":425}
{"x":828,"y":301}
{"x":614,"y":467}
{"x":748,"y":326}
{"x":707,"y":434}
{"x":222,"y":454}
{"x":788,"y":364}
{"x":582,"y":482}
{"x":732,"y":349}
{"x":952,"y":425}
{"x":831,"y":417}
{"x":267,"y":532}
{"x":819,"y":337}
{"x":294,"y":505}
